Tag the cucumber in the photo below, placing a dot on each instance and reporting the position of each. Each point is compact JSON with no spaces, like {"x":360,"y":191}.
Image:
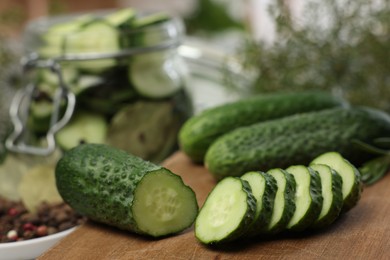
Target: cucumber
{"x":84,"y":127}
{"x":227,"y":212}
{"x":95,"y":37}
{"x":54,"y":37}
{"x":296,"y":140}
{"x":199,"y":132}
{"x":308,"y":197}
{"x":155,"y":75}
{"x":351,"y":178}
{"x":284,"y":203}
{"x":113,"y":187}
{"x":121,"y":18}
{"x":331,"y":186}
{"x":264,"y":189}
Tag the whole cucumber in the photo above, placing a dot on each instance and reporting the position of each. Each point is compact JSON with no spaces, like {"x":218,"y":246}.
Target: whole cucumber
{"x":200,"y":131}
{"x":296,"y":140}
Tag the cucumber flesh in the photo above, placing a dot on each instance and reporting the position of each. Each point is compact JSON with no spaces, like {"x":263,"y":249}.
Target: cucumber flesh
{"x":331,"y":183}
{"x":284,"y":204}
{"x":227,"y":212}
{"x":85,"y":127}
{"x":121,"y":17}
{"x":97,"y":37}
{"x":160,"y":204}
{"x":308,"y":197}
{"x":264,"y":189}
{"x":352,"y":184}
{"x":154,"y":75}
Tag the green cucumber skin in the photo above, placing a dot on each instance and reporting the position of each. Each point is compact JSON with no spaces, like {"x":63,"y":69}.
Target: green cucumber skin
{"x":337,"y":203}
{"x":99,"y":181}
{"x":315,"y":205}
{"x":289,"y":209}
{"x":261,"y":222}
{"x":245,"y":221}
{"x":296,"y":140}
{"x":200,"y":131}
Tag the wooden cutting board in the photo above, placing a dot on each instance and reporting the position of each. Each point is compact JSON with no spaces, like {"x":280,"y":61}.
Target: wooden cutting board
{"x":362,"y":233}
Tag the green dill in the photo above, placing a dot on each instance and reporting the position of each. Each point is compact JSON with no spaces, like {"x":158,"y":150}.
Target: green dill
{"x":350,"y":56}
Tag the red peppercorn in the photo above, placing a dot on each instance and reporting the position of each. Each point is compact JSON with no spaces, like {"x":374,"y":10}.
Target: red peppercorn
{"x":29,"y":227}
{"x":41,"y":231}
{"x":13,"y":212}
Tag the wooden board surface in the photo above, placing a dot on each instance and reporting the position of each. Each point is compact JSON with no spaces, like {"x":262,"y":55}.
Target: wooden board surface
{"x":362,"y":233}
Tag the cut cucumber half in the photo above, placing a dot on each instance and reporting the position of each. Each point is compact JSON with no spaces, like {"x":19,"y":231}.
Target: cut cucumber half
{"x":116,"y":188}
{"x":161,"y":205}
{"x":85,"y":127}
{"x":308,"y":197}
{"x":155,"y":75}
{"x":284,"y":204}
{"x":331,"y":183}
{"x":264,"y":189}
{"x":352,"y":184}
{"x":229,"y":209}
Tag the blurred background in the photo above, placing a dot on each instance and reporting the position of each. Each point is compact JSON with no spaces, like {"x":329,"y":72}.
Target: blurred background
{"x":338,"y":45}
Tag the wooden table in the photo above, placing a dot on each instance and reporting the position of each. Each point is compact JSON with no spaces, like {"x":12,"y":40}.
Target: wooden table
{"x":362,"y":233}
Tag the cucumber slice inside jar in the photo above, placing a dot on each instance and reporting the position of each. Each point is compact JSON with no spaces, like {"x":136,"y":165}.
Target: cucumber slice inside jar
{"x":308,"y":197}
{"x":85,"y":127}
{"x":156,"y":74}
{"x":229,"y":209}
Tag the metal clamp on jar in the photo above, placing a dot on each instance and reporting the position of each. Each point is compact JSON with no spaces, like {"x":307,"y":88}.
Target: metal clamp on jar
{"x":110,"y":77}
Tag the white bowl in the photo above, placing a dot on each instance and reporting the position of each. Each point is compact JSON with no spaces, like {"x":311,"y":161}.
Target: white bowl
{"x":32,"y":248}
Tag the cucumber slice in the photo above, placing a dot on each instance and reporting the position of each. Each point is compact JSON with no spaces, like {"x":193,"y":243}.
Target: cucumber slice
{"x":151,"y":19}
{"x":264,"y":189}
{"x":352,"y":184}
{"x":156,"y":75}
{"x":308,"y":197}
{"x":54,"y":37}
{"x":284,"y":204}
{"x":332,"y":194}
{"x":113,"y":187}
{"x":85,"y":127}
{"x":97,"y":37}
{"x":228,"y":211}
{"x":122,"y":17}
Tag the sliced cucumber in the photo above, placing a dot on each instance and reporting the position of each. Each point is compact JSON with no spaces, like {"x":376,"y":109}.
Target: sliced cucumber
{"x":85,"y":127}
{"x":154,"y":75}
{"x":352,"y":184}
{"x":121,"y":17}
{"x":150,"y":19}
{"x":264,"y":189}
{"x":97,"y":37}
{"x":308,"y":197}
{"x":229,"y":209}
{"x":146,"y":32}
{"x":54,"y":37}
{"x":284,"y":204}
{"x":332,"y":194}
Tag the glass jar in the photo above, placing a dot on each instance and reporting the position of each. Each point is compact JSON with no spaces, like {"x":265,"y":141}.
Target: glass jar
{"x":111,"y":77}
